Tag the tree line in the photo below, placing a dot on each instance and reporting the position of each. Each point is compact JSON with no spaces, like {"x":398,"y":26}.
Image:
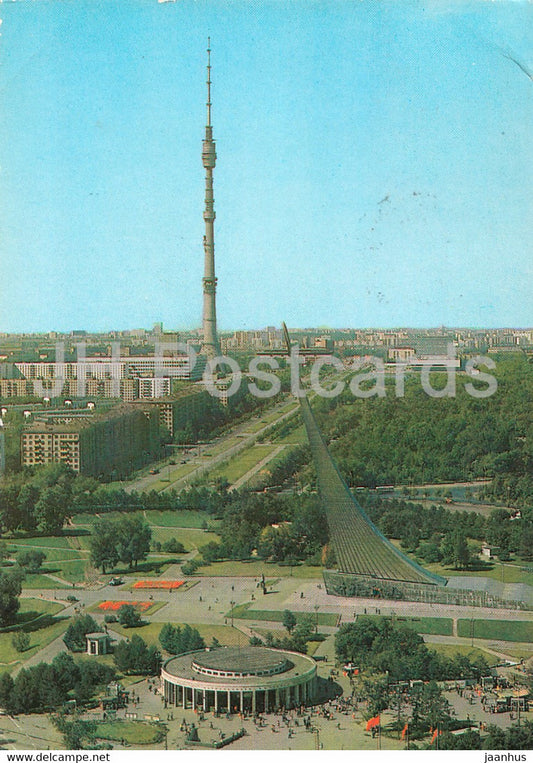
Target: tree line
{"x":383,"y":646}
{"x":47,"y":686}
{"x":437,"y":534}
{"x":417,"y":438}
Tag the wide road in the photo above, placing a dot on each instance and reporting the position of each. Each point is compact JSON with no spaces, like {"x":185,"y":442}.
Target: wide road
{"x":215,"y":452}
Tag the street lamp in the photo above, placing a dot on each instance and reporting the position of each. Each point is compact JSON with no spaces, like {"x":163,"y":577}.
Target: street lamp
{"x":316,"y":608}
{"x":232,"y":604}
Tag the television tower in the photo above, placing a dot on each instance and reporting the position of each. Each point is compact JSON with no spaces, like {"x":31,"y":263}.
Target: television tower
{"x":210,"y":346}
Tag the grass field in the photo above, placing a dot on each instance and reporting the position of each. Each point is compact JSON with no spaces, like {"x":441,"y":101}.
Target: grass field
{"x":183,"y":518}
{"x":171,"y":475}
{"x":517,"y":651}
{"x":500,"y":630}
{"x":244,"y":612}
{"x":225,"y":634}
{"x":450,"y":650}
{"x":68,"y":557}
{"x":237,"y":466}
{"x":503,"y":573}
{"x":41,"y":581}
{"x":35,"y":617}
{"x":132,"y":732}
{"x":222,"y":447}
{"x":440,"y":626}
{"x":190,"y":536}
{"x":294,"y":437}
{"x":254,"y":569}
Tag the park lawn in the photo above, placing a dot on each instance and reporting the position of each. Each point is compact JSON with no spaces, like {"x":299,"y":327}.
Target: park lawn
{"x":42,"y":581}
{"x":254,"y":569}
{"x":83,"y":541}
{"x":499,"y":630}
{"x":312,"y":646}
{"x":255,"y":426}
{"x":39,"y":638}
{"x":440,"y":626}
{"x":52,"y":554}
{"x":259,"y":479}
{"x":515,"y":650}
{"x":472,"y":652}
{"x":512,"y":572}
{"x":176,"y":473}
{"x":241,"y":463}
{"x":43,"y":541}
{"x":225,"y":634}
{"x":244,"y":612}
{"x":189,"y":518}
{"x":133,"y":732}
{"x":37,"y":607}
{"x":71,"y":570}
{"x":191,"y":537}
{"x":295,"y":437}
{"x":222,"y":447}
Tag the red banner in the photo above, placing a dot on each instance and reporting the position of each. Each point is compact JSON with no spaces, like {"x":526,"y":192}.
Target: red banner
{"x":372,"y":722}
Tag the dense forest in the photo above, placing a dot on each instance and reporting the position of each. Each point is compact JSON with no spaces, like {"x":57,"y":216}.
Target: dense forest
{"x":419,"y":439}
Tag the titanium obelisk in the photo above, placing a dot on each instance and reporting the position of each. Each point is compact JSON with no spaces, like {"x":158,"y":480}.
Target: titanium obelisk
{"x":210,"y":346}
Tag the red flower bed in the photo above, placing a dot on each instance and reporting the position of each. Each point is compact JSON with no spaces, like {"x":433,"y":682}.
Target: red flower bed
{"x":167,"y":584}
{"x":114,"y":606}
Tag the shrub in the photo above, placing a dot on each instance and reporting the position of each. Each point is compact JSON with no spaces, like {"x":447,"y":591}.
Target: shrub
{"x":20,"y":641}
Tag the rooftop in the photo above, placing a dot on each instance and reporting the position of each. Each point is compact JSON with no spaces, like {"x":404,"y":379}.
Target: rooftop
{"x":250,"y":660}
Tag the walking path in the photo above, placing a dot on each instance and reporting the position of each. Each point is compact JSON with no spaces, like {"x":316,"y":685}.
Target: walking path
{"x":257,"y":468}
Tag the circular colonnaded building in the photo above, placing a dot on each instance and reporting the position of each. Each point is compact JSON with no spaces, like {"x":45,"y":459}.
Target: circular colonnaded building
{"x":230,"y":680}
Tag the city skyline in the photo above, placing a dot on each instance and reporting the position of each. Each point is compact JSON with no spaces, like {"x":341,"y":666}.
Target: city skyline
{"x":350,"y":190}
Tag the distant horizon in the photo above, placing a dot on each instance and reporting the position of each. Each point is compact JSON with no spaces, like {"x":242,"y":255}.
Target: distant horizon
{"x":168,"y":330}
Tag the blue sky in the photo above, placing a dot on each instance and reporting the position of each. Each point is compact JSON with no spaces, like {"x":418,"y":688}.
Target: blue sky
{"x":375,"y":163}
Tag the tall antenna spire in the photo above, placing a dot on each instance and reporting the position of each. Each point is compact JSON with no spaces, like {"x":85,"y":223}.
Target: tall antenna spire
{"x":208,"y":82}
{"x":210,"y":344}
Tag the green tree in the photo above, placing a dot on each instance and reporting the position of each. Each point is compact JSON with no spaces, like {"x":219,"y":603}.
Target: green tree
{"x":74,"y":637}
{"x":103,"y":545}
{"x":435,"y":708}
{"x":20,"y":641}
{"x":31,"y":559}
{"x":375,"y":690}
{"x":129,"y":617}
{"x":173,"y":546}
{"x":289,"y":620}
{"x":27,"y":499}
{"x":461,"y":553}
{"x":6,"y":687}
{"x":52,"y":509}
{"x":526,"y":542}
{"x":177,"y":640}
{"x":133,"y":539}
{"x":135,"y":657}
{"x":10,"y":590}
